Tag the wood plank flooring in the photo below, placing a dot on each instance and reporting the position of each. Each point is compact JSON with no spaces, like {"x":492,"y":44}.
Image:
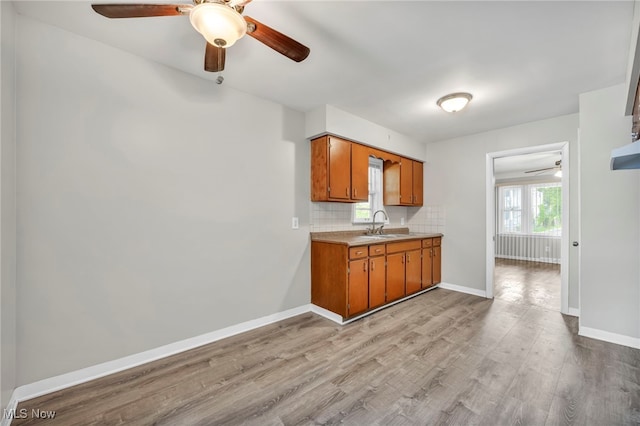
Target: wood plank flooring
{"x":440,"y":358}
{"x":531,"y":283}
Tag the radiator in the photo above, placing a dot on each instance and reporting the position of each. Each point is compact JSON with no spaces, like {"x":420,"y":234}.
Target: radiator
{"x":528,"y":247}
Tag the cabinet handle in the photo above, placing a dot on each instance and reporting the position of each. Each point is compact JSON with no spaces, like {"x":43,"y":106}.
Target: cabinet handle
{"x":355,"y":192}
{"x":402,"y":259}
{"x":358,"y":252}
{"x":364,"y":266}
{"x":373,"y":265}
{"x":347,"y":191}
{"x":408,"y":258}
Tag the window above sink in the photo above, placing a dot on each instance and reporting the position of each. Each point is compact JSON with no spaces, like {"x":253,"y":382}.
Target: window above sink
{"x":362,"y":213}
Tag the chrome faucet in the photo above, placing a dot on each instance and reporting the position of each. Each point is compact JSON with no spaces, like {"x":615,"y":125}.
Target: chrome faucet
{"x":373,"y":224}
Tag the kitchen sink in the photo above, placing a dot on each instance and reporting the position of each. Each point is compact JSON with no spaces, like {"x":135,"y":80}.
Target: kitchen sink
{"x":384,"y":236}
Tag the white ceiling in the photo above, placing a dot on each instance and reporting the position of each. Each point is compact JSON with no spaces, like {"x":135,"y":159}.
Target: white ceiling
{"x":523,"y":166}
{"x":389,"y":61}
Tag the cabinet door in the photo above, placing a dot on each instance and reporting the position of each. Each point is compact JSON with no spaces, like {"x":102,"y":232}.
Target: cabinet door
{"x":391,"y":182}
{"x":406,"y":181}
{"x":339,"y":169}
{"x":395,"y":276}
{"x":436,"y":264}
{"x":427,"y":258}
{"x":418,"y":185}
{"x":359,"y":172}
{"x":377,"y":276}
{"x":358,"y":300}
{"x":413,"y":271}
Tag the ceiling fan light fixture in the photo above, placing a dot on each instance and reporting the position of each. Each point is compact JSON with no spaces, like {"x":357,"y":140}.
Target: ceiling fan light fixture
{"x":219,"y":24}
{"x":454,"y":102}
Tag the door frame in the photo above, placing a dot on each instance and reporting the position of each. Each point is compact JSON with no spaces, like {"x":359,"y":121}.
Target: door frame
{"x":563,"y":147}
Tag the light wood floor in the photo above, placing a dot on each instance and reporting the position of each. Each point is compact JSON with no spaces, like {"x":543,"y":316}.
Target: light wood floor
{"x":440,"y":358}
{"x":530,"y":283}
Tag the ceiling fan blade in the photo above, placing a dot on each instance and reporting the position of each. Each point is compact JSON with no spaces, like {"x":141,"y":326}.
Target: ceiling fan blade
{"x":140,"y":10}
{"x":276,"y":40}
{"x":214,"y":58}
{"x":234,"y":3}
{"x":540,"y":170}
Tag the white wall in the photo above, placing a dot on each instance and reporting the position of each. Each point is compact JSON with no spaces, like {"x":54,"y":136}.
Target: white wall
{"x":329,"y":119}
{"x":610,"y":208}
{"x":455,"y":179}
{"x":633,"y":63}
{"x":7,"y":205}
{"x":153,"y":206}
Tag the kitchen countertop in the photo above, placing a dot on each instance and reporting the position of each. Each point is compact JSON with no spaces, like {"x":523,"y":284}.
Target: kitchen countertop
{"x":360,"y":238}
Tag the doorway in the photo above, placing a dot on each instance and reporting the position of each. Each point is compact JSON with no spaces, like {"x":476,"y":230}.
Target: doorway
{"x":527,"y":208}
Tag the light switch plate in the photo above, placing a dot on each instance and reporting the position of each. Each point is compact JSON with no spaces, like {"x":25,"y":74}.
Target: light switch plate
{"x":294,"y":223}
{"x":402,"y":221}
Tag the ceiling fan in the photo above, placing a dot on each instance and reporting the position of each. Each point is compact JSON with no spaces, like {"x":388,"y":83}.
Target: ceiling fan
{"x":558,"y":165}
{"x":220,"y":22}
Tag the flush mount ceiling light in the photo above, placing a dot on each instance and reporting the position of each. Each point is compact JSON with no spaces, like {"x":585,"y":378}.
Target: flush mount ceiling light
{"x":219,"y":24}
{"x":454,"y":102}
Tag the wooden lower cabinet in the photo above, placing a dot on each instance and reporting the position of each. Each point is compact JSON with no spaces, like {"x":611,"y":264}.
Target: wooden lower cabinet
{"x":395,"y":277}
{"x":377,"y":282}
{"x":358,"y":294}
{"x":436,"y":265}
{"x":413,"y":271}
{"x":350,"y":281}
{"x":403,"y":269}
{"x":431,"y":262}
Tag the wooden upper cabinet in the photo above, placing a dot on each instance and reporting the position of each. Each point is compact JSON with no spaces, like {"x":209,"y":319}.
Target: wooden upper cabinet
{"x":406,"y":181}
{"x":339,"y":170}
{"x":418,"y":185}
{"x":403,"y":183}
{"x":359,"y":172}
{"x":391,"y":182}
{"x":339,"y":182}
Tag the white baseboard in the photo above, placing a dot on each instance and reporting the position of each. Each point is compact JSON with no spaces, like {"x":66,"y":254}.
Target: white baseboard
{"x":574,"y":312}
{"x":619,"y":339}
{"x":339,"y":320}
{"x":326,"y":314}
{"x":462,"y":289}
{"x":52,"y":384}
{"x":11,"y":408}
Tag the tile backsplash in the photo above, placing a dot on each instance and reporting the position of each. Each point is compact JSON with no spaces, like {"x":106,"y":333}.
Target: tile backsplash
{"x":428,"y":218}
{"x":337,"y":217}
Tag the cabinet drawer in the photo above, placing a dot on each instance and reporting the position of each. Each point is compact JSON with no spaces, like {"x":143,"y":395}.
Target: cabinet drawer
{"x":427,"y":243}
{"x":403,"y":246}
{"x":358,"y":252}
{"x":437,"y":241}
{"x":376,"y":250}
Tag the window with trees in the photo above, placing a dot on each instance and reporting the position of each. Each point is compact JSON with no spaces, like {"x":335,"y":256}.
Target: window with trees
{"x":533,"y":209}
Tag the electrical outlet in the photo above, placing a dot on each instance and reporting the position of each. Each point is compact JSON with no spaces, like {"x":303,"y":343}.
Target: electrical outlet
{"x":294,"y":223}
{"x":402,"y":221}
